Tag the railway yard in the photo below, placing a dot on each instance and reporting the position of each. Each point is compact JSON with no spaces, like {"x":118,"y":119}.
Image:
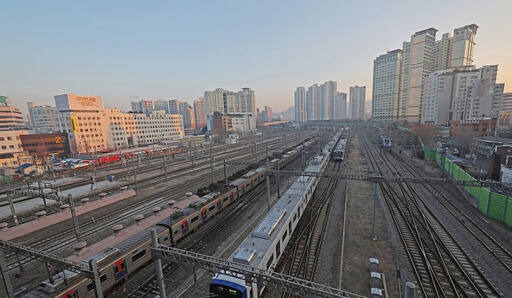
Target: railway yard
{"x":289,"y":202}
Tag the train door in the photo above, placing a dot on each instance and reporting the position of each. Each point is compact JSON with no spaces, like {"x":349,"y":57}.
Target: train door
{"x":184,"y":227}
{"x":120,"y":269}
{"x":203,"y":213}
{"x":219,"y":204}
{"x":231,"y":196}
{"x":243,"y":188}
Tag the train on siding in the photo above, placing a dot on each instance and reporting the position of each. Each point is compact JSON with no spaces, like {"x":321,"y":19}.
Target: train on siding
{"x":263,"y":248}
{"x":338,"y":153}
{"x":384,"y":141}
{"x":129,"y":249}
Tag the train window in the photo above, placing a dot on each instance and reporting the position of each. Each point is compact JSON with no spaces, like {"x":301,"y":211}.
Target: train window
{"x":299,"y":211}
{"x":165,"y":239}
{"x":211,"y":208}
{"x":194,"y":219}
{"x":295,"y":217}
{"x":269,"y":262}
{"x":90,"y":286}
{"x":290,"y":227}
{"x":138,"y":255}
{"x":278,"y":249}
{"x":284,"y":235}
{"x":226,"y":198}
{"x":116,"y":270}
{"x":176,"y":232}
{"x":103,"y":278}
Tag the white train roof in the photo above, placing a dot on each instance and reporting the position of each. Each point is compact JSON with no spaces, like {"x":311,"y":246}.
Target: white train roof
{"x":255,"y":246}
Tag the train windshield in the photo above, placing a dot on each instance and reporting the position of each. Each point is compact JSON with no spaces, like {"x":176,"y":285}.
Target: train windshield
{"x":224,"y":291}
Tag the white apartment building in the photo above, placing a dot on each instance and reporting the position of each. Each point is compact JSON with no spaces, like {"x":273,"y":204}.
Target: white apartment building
{"x":422,"y":55}
{"x":340,"y":106}
{"x":157,"y":127}
{"x":386,"y":86}
{"x":463,"y":93}
{"x":230,"y":103}
{"x":41,"y":118}
{"x":162,"y":105}
{"x":300,"y":105}
{"x":243,"y":122}
{"x":313,"y":103}
{"x":357,"y":102}
{"x":506,"y":103}
{"x":438,"y":96}
{"x":327,"y":92}
{"x":142,"y":106}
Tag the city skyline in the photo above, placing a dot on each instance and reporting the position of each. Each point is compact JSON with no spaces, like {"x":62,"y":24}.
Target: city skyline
{"x":86,"y":50}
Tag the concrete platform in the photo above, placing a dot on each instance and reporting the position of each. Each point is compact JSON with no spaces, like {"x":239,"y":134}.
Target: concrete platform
{"x":65,"y":214}
{"x":23,"y":206}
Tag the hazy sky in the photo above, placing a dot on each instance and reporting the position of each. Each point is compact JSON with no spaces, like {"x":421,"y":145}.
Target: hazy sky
{"x":167,"y":50}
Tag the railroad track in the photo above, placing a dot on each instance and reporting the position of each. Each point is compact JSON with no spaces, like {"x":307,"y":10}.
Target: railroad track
{"x":304,"y":247}
{"x":493,"y":246}
{"x":440,"y":264}
{"x":66,"y":237}
{"x":150,"y":286}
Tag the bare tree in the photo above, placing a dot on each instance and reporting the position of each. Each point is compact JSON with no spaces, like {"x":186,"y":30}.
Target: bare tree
{"x":463,"y":139}
{"x":428,"y":133}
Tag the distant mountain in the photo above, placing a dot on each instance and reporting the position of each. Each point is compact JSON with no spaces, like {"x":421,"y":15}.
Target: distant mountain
{"x":288,"y":114}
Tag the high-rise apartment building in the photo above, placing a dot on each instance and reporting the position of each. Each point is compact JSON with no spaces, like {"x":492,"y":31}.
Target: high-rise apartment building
{"x":463,"y":46}
{"x":229,"y":102}
{"x":142,"y":106}
{"x":357,"y":102}
{"x":422,"y":55}
{"x":437,"y":99}
{"x":418,"y":63}
{"x":506,"y":103}
{"x":386,"y":86}
{"x":161,"y":105}
{"x":313,"y":103}
{"x":175,"y":106}
{"x":300,"y":105}
{"x":464,"y":94}
{"x":200,"y":112}
{"x":327,"y":92}
{"x":340,"y":106}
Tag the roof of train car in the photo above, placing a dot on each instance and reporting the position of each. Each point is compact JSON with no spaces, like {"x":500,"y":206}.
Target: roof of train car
{"x":255,"y":246}
{"x":131,"y":236}
{"x":238,"y":182}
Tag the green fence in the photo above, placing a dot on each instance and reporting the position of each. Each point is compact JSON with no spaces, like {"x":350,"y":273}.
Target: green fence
{"x":492,"y":204}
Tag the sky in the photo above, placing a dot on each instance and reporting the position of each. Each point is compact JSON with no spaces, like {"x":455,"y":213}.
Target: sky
{"x":123,"y":50}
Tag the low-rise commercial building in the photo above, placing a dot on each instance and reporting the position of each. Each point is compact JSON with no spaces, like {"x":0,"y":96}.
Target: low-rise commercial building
{"x":46,"y":144}
{"x":10,"y":140}
{"x":41,"y":118}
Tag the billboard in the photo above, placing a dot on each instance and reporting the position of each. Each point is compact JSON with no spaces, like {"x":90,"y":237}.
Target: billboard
{"x":76,"y":102}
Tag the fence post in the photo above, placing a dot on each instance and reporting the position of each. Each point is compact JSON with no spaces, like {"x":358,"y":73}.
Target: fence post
{"x":489,"y":202}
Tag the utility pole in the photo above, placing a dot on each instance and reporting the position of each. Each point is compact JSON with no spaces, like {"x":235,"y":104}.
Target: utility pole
{"x":267,"y":182}
{"x":158,"y":265}
{"x":73,"y":216}
{"x":211,"y":163}
{"x":277,"y":178}
{"x":135,"y":172}
{"x":13,"y":212}
{"x":373,"y":237}
{"x":225,"y":173}
{"x":165,"y":165}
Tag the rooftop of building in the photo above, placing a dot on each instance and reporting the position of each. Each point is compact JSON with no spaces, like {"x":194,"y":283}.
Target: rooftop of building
{"x":494,"y":139}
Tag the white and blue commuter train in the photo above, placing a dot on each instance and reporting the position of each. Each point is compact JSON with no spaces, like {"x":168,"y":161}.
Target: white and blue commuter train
{"x":264,"y":246}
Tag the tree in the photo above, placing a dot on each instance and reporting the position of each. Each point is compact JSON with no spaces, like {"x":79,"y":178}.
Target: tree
{"x":463,"y":139}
